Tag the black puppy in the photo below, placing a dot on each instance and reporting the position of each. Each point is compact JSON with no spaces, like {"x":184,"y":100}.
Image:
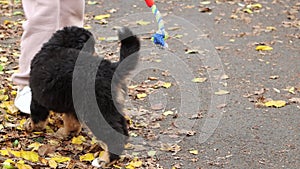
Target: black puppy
{"x":52,"y":74}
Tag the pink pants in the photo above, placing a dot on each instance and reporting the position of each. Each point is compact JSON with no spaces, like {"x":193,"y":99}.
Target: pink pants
{"x":44,"y":17}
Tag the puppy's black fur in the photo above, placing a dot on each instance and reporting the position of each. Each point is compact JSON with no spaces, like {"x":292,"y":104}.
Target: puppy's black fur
{"x":52,"y":73}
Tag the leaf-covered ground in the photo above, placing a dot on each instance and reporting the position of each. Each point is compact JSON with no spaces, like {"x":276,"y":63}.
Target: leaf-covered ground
{"x":257,"y":43}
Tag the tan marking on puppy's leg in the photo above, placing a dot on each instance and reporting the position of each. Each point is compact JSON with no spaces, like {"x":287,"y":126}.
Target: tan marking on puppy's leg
{"x":31,"y":126}
{"x":71,"y":126}
{"x":103,"y":158}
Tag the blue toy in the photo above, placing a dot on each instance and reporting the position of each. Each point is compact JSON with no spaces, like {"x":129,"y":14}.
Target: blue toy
{"x":160,"y":36}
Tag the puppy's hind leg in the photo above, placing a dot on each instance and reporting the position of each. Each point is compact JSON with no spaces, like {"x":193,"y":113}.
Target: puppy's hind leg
{"x":120,"y":125}
{"x":112,"y":144}
{"x":71,"y":127}
{"x":38,"y":117}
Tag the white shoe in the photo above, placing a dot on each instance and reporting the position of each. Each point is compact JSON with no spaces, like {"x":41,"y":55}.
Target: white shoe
{"x":23,"y":99}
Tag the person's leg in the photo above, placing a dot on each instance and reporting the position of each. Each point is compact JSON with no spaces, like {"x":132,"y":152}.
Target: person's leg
{"x":28,"y":7}
{"x":42,"y":21}
{"x":71,"y":13}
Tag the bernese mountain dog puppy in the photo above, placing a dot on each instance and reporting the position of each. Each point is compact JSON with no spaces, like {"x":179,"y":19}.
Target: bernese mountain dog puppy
{"x":52,"y":80}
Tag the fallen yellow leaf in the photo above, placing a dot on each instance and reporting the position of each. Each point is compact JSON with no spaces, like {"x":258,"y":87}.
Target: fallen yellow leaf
{"x":43,"y":161}
{"x":52,"y":163}
{"x":21,"y":165}
{"x":142,"y":22}
{"x":222,"y":92}
{"x":141,"y":95}
{"x":199,"y":80}
{"x":3,"y":59}
{"x":4,"y":2}
{"x":10,"y":107}
{"x":271,"y":28}
{"x":134,"y":164}
{"x":178,"y":36}
{"x":166,"y":113}
{"x":87,"y":157}
{"x":172,"y":148}
{"x":4,"y":152}
{"x":100,"y":17}
{"x":224,"y":77}
{"x":167,"y":85}
{"x":35,"y":146}
{"x":255,"y":6}
{"x":13,"y":92}
{"x":195,"y":152}
{"x":8,"y":164}
{"x":94,"y":140}
{"x":248,"y":10}
{"x":78,"y":140}
{"x":101,"y":38}
{"x":87,"y":27}
{"x":133,"y":135}
{"x":30,"y":156}
{"x":49,"y":129}
{"x":2,"y":91}
{"x":132,"y":86}
{"x":18,"y":13}
{"x":263,"y":47}
{"x":205,"y":2}
{"x":6,"y":22}
{"x":9,"y":161}
{"x":292,"y":90}
{"x":15,"y":153}
{"x":129,"y":167}
{"x":60,"y":159}
{"x":92,"y":2}
{"x":4,"y":97}
{"x":231,"y":40}
{"x":21,"y":126}
{"x":275,"y":103}
{"x":38,"y":132}
{"x":116,"y":166}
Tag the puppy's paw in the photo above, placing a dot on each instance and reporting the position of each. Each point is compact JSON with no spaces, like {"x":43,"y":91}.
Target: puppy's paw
{"x":64,"y":133}
{"x":72,"y":126}
{"x":102,"y":161}
{"x":31,"y":126}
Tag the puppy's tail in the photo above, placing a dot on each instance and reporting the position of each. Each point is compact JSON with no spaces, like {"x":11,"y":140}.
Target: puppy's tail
{"x":129,"y":56}
{"x":130,"y":46}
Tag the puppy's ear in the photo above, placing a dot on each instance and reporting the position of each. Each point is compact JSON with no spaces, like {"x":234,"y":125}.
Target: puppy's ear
{"x":84,"y":39}
{"x":88,"y":43}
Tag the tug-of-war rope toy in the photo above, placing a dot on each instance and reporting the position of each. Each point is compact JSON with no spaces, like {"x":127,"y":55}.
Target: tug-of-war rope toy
{"x":160,"y":36}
